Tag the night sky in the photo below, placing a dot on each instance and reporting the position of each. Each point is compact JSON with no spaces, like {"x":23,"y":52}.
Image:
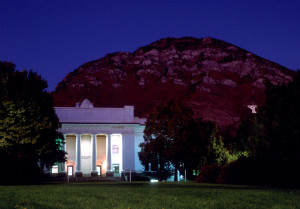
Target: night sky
{"x":54,"y":37}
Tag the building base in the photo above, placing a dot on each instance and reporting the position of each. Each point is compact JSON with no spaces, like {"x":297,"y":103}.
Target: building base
{"x":94,"y":174}
{"x":78,"y":174}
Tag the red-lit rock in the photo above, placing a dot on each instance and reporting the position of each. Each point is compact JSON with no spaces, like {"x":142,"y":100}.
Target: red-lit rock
{"x":217,"y":79}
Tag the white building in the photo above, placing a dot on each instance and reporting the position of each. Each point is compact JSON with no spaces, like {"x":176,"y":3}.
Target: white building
{"x":100,"y":140}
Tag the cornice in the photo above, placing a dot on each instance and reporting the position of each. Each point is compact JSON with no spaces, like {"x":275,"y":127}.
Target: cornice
{"x":98,"y":128}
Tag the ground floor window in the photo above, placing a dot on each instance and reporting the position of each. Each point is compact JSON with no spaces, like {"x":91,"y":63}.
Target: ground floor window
{"x":54,"y":169}
{"x":116,"y":168}
{"x":196,"y":172}
{"x":99,"y":170}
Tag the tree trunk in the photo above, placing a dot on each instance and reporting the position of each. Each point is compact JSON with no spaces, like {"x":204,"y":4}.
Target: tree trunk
{"x":176,"y":176}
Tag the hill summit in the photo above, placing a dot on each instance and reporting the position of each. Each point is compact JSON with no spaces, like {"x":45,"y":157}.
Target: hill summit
{"x":217,"y":79}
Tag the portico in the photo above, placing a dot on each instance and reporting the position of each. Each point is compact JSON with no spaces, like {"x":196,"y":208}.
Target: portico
{"x":100,"y":141}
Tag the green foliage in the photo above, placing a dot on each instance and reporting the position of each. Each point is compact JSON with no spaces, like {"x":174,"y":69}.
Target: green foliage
{"x":28,"y":123}
{"x":272,"y":138}
{"x":274,"y":131}
{"x":199,"y":145}
{"x":173,"y":140}
{"x":237,"y":155}
{"x":218,"y":154}
{"x":209,"y":173}
{"x":279,"y":121}
{"x":167,"y":129}
{"x":249,"y":136}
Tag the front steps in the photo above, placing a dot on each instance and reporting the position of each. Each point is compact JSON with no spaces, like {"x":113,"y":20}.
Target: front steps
{"x":64,"y":178}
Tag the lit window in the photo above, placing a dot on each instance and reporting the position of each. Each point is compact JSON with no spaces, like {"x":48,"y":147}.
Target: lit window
{"x":55,"y":169}
{"x":116,"y":168}
{"x":196,"y":172}
{"x":70,"y":170}
{"x":99,"y":170}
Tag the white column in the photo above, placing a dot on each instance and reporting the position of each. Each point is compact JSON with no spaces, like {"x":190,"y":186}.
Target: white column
{"x":94,"y":154}
{"x":124,"y":165}
{"x":108,"y":152}
{"x":78,"y":154}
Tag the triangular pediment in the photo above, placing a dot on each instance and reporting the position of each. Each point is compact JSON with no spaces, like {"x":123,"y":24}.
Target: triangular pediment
{"x":86,"y":104}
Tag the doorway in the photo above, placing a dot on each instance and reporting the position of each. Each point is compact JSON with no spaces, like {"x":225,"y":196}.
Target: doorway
{"x":116,"y":170}
{"x":70,"y":170}
{"x":99,"y":170}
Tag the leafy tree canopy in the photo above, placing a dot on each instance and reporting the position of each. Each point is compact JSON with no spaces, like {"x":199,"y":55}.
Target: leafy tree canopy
{"x":173,"y":140}
{"x":268,"y":142}
{"x":217,"y":154}
{"x":28,"y":123}
{"x":274,"y":132}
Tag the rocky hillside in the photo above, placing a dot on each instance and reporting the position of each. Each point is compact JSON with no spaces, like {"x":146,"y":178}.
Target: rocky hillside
{"x":217,"y":79}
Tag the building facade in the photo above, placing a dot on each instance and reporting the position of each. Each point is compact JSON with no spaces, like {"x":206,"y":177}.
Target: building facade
{"x":100,"y":141}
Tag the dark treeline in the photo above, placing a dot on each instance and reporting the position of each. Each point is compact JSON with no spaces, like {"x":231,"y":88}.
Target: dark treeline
{"x":264,"y":152}
{"x":28,"y":126}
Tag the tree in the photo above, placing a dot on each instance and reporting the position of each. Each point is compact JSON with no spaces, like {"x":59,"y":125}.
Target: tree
{"x":272,"y":136}
{"x":279,"y":121}
{"x":197,"y":148}
{"x":217,"y":154}
{"x":274,"y":131}
{"x":28,"y":123}
{"x":172,"y":140}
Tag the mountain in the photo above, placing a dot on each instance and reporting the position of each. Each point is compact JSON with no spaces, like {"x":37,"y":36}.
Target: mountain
{"x":217,"y":79}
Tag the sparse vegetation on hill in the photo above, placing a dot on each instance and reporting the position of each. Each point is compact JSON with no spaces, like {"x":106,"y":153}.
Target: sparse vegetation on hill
{"x":216,"y":79}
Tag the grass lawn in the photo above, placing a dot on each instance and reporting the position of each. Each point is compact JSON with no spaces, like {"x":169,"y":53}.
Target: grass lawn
{"x":146,"y":195}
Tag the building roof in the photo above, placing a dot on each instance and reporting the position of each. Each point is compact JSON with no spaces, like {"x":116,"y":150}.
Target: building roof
{"x":87,"y":113}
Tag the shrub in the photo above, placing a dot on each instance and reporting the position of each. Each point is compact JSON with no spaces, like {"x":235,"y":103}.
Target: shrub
{"x":19,"y":170}
{"x":260,"y":171}
{"x":209,"y":173}
{"x":237,"y":172}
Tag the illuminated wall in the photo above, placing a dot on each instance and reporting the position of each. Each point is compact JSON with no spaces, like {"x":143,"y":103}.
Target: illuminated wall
{"x":116,"y":152}
{"x":101,"y":153}
{"x":86,"y":154}
{"x":89,"y":131}
{"x":138,"y":138}
{"x":71,"y":147}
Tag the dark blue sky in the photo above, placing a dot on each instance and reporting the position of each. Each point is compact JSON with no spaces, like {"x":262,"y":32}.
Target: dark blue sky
{"x":54,"y":37}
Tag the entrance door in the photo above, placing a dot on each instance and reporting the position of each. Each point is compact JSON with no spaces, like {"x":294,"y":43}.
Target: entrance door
{"x":99,"y":170}
{"x":116,"y":170}
{"x":70,"y":170}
